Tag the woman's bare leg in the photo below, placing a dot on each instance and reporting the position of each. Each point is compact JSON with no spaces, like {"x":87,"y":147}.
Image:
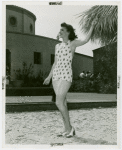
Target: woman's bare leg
{"x":61,"y":92}
{"x":55,"y":84}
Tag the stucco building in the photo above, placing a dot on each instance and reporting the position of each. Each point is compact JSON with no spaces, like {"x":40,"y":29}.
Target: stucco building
{"x":22,"y":45}
{"x":81,"y":63}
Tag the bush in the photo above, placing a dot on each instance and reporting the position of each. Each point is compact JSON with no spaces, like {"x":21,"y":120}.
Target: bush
{"x":105,"y":63}
{"x":98,"y":85}
{"x":82,"y":85}
{"x":24,"y":73}
{"x":30,"y":80}
{"x":106,"y":88}
{"x":35,"y":81}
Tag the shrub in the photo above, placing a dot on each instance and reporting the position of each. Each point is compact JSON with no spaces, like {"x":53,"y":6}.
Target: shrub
{"x":29,"y":79}
{"x":18,"y":74}
{"x":82,"y":85}
{"x":35,"y":81}
{"x":105,"y":63}
{"x":25,"y":72}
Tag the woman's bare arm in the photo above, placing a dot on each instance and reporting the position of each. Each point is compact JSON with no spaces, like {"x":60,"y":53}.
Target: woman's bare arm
{"x":54,"y":64}
{"x":78,"y":43}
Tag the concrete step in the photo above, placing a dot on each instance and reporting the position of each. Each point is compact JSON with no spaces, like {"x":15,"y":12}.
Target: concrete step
{"x":75,"y":101}
{"x":50,"y":106}
{"x":71,"y":97}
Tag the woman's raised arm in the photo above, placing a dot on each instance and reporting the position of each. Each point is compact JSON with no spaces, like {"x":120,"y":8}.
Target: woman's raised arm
{"x":77,"y":43}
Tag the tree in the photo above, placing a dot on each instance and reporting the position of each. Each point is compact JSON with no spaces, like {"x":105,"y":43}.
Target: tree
{"x":105,"y":31}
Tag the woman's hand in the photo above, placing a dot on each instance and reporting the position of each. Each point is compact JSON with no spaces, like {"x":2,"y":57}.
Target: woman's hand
{"x":94,"y":21}
{"x":47,"y":81}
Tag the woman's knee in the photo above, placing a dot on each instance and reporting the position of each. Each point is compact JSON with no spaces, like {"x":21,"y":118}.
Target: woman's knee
{"x":60,"y":100}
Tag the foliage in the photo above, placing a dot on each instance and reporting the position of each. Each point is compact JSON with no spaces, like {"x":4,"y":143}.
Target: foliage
{"x":35,"y":81}
{"x":97,"y":86}
{"x":24,"y":73}
{"x":106,"y":65}
{"x":105,"y":73}
{"x":18,"y":74}
{"x":29,"y":79}
{"x":105,"y":31}
{"x":82,"y":85}
{"x":27,"y":70}
{"x":101,"y":86}
{"x":105,"y":62}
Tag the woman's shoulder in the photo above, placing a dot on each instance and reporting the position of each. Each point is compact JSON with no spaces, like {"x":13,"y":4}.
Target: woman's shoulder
{"x":58,"y":44}
{"x":73,"y":42}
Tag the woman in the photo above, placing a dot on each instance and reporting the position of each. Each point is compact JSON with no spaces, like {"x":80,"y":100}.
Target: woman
{"x":61,"y":72}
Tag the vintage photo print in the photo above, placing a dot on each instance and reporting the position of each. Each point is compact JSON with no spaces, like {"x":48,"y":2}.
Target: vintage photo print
{"x":61,"y":74}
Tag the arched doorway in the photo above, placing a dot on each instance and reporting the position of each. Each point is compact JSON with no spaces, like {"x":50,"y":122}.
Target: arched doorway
{"x":8,"y":62}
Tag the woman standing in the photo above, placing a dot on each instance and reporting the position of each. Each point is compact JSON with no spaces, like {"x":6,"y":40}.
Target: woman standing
{"x":61,"y":72}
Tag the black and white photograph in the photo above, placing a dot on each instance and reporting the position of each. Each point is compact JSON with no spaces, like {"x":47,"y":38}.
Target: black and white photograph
{"x":60,"y":74}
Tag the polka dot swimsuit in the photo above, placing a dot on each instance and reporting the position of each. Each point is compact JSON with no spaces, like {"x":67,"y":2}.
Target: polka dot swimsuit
{"x":63,"y":68}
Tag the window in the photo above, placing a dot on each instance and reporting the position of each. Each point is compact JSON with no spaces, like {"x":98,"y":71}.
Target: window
{"x":52,"y":58}
{"x":31,"y":28}
{"x":37,"y":58}
{"x":13,"y":21}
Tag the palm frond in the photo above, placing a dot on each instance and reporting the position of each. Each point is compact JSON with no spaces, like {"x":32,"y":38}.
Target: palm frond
{"x":106,"y":28}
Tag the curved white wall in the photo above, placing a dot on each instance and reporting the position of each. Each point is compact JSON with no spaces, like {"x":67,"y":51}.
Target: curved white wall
{"x":24,"y":19}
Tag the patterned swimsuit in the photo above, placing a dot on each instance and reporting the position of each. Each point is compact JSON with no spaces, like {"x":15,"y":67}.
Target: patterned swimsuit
{"x":63,"y":68}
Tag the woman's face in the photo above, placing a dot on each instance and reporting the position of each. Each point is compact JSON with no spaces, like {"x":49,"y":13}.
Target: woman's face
{"x":63,"y":32}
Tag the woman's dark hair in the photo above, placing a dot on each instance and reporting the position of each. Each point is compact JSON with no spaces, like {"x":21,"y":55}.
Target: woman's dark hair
{"x":70,"y":29}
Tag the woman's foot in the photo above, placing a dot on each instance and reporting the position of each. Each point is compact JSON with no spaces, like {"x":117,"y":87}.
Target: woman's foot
{"x":62,"y":134}
{"x":71,"y":133}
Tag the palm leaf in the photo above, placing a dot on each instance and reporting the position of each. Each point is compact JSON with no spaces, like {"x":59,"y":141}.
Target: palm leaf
{"x":105,"y":31}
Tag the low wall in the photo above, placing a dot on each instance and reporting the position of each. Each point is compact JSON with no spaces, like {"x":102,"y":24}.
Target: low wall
{"x":29,"y":91}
